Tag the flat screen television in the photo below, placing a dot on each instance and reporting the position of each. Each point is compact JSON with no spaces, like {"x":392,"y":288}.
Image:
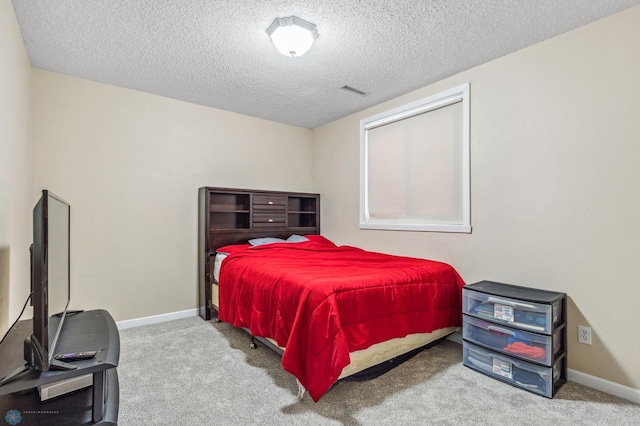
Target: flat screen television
{"x":50,"y":280}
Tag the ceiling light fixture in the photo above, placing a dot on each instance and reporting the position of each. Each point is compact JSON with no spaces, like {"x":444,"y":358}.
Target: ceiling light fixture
{"x":292,"y":36}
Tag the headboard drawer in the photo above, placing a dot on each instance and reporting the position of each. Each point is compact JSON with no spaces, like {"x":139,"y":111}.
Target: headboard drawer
{"x":269,"y":219}
{"x":269,"y":202}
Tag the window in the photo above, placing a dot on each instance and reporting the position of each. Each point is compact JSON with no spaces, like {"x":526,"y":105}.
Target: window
{"x":414,"y":166}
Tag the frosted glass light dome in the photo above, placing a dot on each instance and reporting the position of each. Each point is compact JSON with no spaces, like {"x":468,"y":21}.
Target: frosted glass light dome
{"x":292,"y":36}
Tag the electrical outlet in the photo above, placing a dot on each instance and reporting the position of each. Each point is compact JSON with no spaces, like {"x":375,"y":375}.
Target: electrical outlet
{"x":584,"y":334}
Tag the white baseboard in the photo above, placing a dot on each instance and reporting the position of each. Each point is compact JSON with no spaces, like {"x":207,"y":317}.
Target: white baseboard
{"x":603,"y":385}
{"x":156,"y":319}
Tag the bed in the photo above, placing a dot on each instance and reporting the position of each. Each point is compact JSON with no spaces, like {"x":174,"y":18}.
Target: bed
{"x":333,"y":312}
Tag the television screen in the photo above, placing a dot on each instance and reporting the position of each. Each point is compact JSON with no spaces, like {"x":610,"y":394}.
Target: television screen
{"x":57,"y":264}
{"x":50,"y":278}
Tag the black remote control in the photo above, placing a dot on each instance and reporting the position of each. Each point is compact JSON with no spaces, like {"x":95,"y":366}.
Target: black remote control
{"x":75,"y":356}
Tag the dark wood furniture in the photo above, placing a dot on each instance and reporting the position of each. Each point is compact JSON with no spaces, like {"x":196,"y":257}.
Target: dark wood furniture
{"x":96,"y":404}
{"x":233,"y":216}
{"x":516,"y":334}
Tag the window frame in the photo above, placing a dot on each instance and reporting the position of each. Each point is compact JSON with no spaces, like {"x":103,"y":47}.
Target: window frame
{"x":422,"y":106}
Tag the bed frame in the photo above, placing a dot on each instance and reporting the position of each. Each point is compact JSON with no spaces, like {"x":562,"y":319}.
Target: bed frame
{"x":234,"y":216}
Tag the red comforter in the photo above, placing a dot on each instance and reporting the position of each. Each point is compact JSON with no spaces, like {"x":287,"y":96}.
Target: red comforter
{"x":322,"y":302}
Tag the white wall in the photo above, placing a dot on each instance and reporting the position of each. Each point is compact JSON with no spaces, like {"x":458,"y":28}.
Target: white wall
{"x":555,"y":135}
{"x":15,"y":168}
{"x":130,"y":165}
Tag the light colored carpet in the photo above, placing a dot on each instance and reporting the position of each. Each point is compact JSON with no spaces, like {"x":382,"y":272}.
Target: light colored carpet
{"x":193,"y":372}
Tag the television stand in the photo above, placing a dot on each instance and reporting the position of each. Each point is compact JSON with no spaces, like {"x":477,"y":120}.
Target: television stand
{"x":97,"y":404}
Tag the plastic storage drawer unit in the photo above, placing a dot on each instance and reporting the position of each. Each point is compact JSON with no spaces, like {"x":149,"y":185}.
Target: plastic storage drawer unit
{"x":519,"y":313}
{"x":516,"y":334}
{"x":532,"y":377}
{"x":529,"y":346}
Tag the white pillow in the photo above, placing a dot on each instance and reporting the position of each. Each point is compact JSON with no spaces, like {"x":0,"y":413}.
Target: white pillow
{"x":263,"y":241}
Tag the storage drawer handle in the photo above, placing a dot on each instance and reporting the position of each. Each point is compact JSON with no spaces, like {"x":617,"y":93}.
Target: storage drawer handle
{"x":270,"y":220}
{"x":510,"y":303}
{"x":501,"y":330}
{"x":270,"y":203}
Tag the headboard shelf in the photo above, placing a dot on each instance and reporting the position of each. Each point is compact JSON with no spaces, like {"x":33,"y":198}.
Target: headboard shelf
{"x":234,"y":216}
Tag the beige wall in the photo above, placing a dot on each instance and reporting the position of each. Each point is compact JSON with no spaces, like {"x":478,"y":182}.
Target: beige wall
{"x":15,"y":168}
{"x":555,"y":134}
{"x":555,"y":181}
{"x":130,"y":165}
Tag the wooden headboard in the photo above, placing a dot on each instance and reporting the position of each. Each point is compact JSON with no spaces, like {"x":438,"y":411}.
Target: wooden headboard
{"x":234,"y":216}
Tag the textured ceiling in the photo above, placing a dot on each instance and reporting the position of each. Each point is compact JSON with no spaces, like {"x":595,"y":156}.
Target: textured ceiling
{"x":217,"y":53}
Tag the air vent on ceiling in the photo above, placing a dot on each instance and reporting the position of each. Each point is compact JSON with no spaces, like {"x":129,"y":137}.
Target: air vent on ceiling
{"x":353,"y":90}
